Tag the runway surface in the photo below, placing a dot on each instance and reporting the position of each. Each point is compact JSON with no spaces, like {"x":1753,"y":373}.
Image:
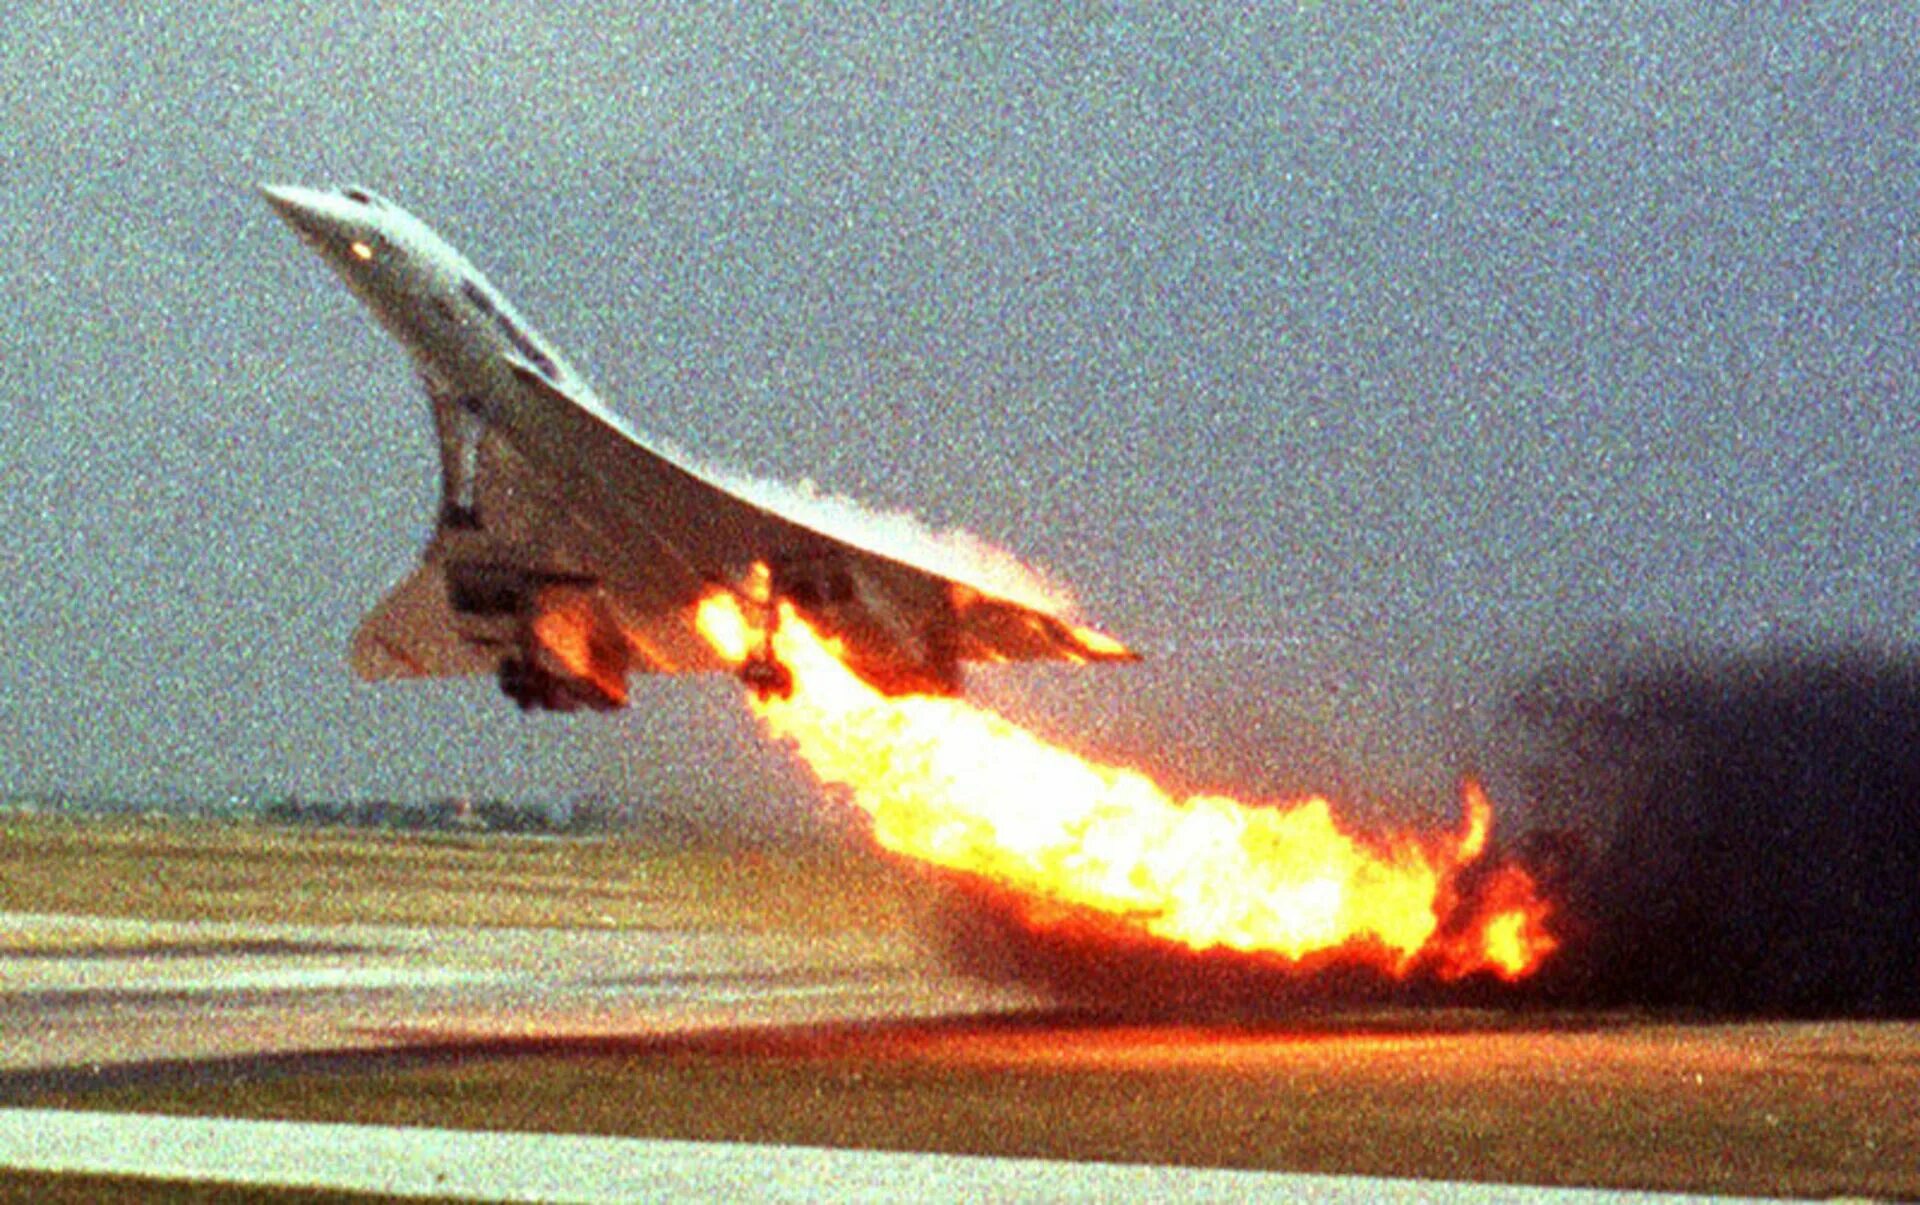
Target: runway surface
{"x":85,"y":994}
{"x":497,"y":1033}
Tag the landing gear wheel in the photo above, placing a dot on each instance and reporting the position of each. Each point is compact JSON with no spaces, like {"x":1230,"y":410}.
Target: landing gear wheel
{"x":459,"y":517}
{"x":517,"y":682}
{"x":767,"y":678}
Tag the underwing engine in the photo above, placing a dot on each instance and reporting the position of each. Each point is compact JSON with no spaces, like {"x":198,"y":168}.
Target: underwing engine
{"x":562,"y":649}
{"x":573,"y":655}
{"x":897,"y":642}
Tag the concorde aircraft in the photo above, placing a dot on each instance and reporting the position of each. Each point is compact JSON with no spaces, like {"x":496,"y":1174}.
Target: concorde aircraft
{"x":568,"y":553}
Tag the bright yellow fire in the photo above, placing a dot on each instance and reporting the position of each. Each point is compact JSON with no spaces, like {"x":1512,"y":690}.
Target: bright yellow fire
{"x":963,"y":788}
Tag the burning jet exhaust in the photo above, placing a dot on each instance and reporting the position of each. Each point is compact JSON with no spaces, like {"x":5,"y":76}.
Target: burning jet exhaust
{"x":958,"y":787}
{"x":566,"y":549}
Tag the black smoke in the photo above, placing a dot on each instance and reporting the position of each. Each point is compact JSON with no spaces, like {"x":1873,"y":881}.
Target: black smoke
{"x":1747,"y":827}
{"x":1739,"y":834}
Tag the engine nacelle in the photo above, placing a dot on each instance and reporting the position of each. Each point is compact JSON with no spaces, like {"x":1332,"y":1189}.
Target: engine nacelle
{"x":893,"y":653}
{"x":536,"y":689}
{"x":563,"y":649}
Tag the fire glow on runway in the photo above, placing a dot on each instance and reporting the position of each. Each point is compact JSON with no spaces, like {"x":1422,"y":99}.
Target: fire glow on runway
{"x":962,"y":788}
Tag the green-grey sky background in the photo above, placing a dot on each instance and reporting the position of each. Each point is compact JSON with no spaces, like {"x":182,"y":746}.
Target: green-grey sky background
{"x":1351,"y":362}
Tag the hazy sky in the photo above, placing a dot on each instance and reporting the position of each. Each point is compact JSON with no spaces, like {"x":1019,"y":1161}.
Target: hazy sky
{"x":1350,"y":364}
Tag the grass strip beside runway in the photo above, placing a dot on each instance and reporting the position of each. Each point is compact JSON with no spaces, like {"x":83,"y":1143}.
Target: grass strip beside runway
{"x":243,"y":871}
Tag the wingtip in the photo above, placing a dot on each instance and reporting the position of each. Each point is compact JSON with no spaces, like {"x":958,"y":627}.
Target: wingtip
{"x":1098,"y":646}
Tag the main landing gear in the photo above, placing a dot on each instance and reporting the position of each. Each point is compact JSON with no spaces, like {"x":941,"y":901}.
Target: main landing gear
{"x":763,"y":672}
{"x":766,"y":677}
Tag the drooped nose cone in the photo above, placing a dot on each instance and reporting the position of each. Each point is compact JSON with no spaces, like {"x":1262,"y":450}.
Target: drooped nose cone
{"x":336,"y":225}
{"x":307,"y":210}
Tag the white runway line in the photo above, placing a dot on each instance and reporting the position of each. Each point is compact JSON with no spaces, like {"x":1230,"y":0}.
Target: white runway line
{"x":482,"y":1166}
{"x":128,"y":976}
{"x":86,"y":992}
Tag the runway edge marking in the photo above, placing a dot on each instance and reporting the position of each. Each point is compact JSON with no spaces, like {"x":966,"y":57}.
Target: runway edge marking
{"x":516,"y":1166}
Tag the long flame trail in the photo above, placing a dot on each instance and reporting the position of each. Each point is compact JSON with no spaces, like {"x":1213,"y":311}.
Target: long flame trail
{"x":963,"y":788}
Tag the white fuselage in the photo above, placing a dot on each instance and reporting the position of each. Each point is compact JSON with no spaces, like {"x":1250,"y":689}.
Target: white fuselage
{"x":462,"y":334}
{"x":569,"y":551}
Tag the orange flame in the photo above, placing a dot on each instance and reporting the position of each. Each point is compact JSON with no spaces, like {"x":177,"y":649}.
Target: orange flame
{"x":956,"y":786}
